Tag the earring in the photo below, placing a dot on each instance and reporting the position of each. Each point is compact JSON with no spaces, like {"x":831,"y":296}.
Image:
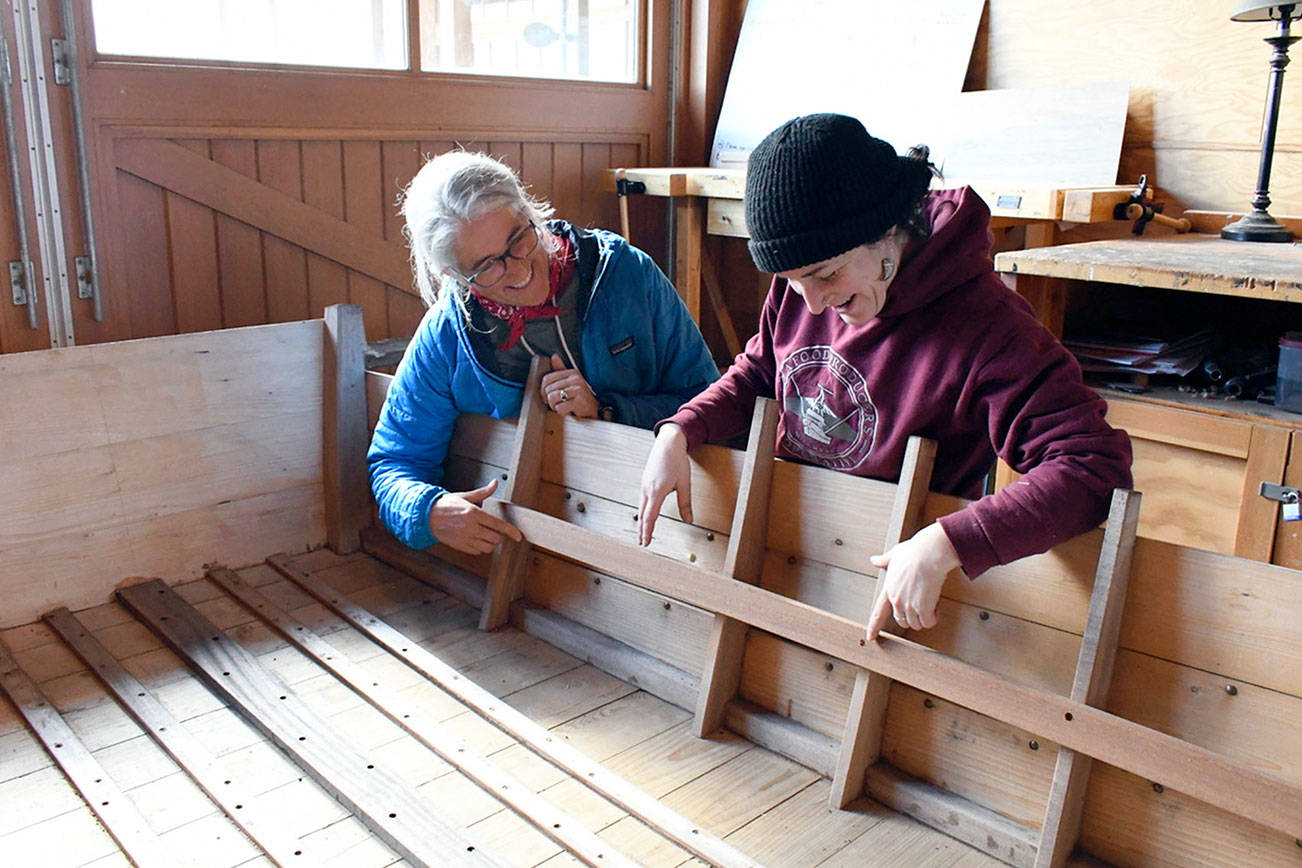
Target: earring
{"x":888,"y":268}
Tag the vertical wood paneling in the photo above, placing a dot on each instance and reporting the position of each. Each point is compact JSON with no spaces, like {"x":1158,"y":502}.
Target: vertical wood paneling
{"x":507,"y":152}
{"x":239,"y":247}
{"x":222,"y":272}
{"x":323,"y":188}
{"x":536,"y":168}
{"x":362,"y":208}
{"x":567,"y":180}
{"x":624,"y":156}
{"x":599,"y":208}
{"x":192,"y":240}
{"x":147,"y":268}
{"x":401,"y":162}
{"x":280,"y":167}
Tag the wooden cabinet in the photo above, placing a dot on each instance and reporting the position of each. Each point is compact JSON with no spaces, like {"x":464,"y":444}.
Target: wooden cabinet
{"x":1199,"y":461}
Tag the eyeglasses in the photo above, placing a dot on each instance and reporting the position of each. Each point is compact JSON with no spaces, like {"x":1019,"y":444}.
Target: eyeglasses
{"x":524,"y":243}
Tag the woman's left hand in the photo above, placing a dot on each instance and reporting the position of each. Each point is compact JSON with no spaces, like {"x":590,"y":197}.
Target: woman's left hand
{"x":914,"y":572}
{"x":565,"y":391}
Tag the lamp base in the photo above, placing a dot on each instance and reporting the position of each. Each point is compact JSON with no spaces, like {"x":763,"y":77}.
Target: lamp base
{"x":1257,"y":226}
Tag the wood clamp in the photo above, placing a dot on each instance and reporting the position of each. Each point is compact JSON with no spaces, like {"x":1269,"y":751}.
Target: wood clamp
{"x":1143,"y":213}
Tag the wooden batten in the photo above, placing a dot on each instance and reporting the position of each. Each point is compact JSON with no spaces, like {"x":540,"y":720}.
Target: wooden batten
{"x":721,"y":672}
{"x":345,"y":434}
{"x":506,"y":573}
{"x":866,"y":718}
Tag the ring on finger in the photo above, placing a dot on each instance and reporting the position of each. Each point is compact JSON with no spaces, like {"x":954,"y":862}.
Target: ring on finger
{"x":565,"y":396}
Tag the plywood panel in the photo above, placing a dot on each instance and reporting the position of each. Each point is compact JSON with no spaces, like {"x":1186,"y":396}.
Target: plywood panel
{"x":188,"y":449}
{"x":1203,"y":116}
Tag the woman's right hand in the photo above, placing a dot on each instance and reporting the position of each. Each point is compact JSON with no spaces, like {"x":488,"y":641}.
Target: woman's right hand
{"x":667,"y":469}
{"x":458,"y":521}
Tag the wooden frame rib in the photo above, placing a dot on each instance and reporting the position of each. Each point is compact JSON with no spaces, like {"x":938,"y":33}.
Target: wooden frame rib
{"x":393,"y":811}
{"x":345,"y":439}
{"x":744,"y":561}
{"x":1200,"y":773}
{"x":116,"y":812}
{"x":594,"y":775}
{"x":506,"y":573}
{"x":528,"y":805}
{"x":189,"y":753}
{"x":861,"y":741}
{"x":1098,"y":651}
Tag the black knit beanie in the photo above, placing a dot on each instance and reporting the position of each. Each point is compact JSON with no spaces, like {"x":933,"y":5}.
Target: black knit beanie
{"x":820,"y":185}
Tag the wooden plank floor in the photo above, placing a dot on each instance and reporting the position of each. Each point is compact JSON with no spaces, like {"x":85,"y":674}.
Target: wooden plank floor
{"x":770,"y":808}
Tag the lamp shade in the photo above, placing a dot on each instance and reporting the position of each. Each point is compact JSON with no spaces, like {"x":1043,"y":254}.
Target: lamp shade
{"x":1256,"y":10}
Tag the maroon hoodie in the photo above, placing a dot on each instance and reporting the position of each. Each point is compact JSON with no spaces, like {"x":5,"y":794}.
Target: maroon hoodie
{"x":954,"y":356}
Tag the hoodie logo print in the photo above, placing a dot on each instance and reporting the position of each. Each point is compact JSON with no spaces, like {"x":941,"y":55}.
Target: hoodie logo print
{"x":828,"y":417}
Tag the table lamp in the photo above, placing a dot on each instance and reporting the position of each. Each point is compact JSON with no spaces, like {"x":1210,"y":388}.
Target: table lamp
{"x":1259,"y":225}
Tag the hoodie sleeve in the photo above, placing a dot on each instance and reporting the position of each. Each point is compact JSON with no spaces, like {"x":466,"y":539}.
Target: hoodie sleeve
{"x":682,"y":361}
{"x":1048,"y":425}
{"x":724,"y":409}
{"x":411,"y":440}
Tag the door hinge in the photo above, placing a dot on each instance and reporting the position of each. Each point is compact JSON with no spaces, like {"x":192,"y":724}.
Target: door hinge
{"x":18,"y":282}
{"x":61,"y":56}
{"x":24,"y":294}
{"x":85,"y":277}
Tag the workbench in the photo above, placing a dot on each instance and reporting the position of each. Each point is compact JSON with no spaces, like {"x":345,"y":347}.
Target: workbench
{"x":1199,"y":461}
{"x":709,"y":202}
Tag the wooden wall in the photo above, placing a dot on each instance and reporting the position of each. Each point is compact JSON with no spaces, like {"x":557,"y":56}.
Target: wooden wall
{"x":1198,"y":90}
{"x":218,"y":235}
{"x":155,"y":458}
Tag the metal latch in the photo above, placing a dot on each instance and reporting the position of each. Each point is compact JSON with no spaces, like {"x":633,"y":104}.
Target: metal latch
{"x":61,"y":56}
{"x":1292,"y":510}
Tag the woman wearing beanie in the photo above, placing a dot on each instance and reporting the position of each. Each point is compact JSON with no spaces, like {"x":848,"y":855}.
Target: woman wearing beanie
{"x":503,"y":284}
{"x":885,"y":319}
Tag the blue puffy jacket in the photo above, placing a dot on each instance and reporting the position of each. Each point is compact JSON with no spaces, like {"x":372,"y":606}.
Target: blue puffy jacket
{"x":641,"y":354}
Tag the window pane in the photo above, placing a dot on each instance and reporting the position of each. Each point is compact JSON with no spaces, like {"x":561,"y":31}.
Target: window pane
{"x":367,"y":34}
{"x":583,"y":39}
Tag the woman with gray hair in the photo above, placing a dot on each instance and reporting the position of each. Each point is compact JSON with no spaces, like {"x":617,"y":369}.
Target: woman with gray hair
{"x":505,"y":283}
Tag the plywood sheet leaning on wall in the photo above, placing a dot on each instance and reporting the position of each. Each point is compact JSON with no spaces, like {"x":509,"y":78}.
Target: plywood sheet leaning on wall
{"x":150,"y":457}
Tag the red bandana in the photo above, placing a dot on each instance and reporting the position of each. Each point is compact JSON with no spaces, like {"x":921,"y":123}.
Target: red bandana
{"x":560,"y":269}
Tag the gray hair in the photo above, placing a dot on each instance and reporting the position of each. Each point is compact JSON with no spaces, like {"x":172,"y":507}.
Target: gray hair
{"x":449,"y":191}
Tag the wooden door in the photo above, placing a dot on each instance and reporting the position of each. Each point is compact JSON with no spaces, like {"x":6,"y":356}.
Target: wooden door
{"x":42,"y":211}
{"x":234,"y":195}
